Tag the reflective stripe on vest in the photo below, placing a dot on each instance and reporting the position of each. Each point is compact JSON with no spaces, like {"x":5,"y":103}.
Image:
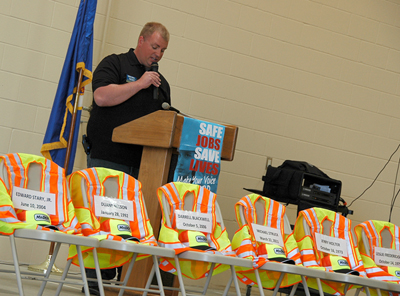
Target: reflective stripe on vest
{"x":204,"y":202}
{"x":246,"y":246}
{"x":52,"y":181}
{"x":373,"y":230}
{"x":128,"y":189}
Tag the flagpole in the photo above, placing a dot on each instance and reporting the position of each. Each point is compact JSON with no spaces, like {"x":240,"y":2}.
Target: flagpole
{"x":73,"y":121}
{"x":43,"y":266}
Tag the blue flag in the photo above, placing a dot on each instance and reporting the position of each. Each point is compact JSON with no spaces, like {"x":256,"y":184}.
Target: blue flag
{"x":79,"y":56}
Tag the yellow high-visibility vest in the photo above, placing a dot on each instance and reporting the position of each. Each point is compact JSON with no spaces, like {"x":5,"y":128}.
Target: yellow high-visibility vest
{"x":311,"y":257}
{"x":102,"y":228}
{"x":204,"y":202}
{"x":373,"y":230}
{"x":245,"y":245}
{"x":52,"y":181}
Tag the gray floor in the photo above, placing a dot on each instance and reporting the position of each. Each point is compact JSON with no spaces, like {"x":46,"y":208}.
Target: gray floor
{"x":8,"y":285}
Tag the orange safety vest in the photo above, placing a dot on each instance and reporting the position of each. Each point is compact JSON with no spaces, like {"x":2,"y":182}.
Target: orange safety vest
{"x":52,"y":181}
{"x":245,"y":245}
{"x":101,"y":227}
{"x":373,"y":230}
{"x":204,"y":202}
{"x":311,"y":257}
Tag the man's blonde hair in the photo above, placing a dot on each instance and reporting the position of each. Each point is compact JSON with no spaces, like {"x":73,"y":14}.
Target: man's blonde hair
{"x":152,"y":27}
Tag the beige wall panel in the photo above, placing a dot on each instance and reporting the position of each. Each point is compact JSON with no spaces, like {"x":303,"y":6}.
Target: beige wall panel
{"x":202,"y":30}
{"x":38,"y":92}
{"x":389,"y":36}
{"x":17,"y":115}
{"x":131,"y":11}
{"x":16,"y":37}
{"x":174,"y":20}
{"x":194,"y":7}
{"x":23,"y":61}
{"x":223,"y":11}
{"x":182,"y":50}
{"x":316,"y":81}
{"x":38,"y":11}
{"x":5,"y":136}
{"x":234,"y":39}
{"x":9,"y":90}
{"x":393,"y":61}
{"x":48,"y":40}
{"x":25,"y":142}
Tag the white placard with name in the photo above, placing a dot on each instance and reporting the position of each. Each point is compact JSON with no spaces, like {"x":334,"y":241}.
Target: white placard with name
{"x":266,"y":234}
{"x":27,"y":199}
{"x":331,"y":245}
{"x":188,"y":220}
{"x":387,"y":257}
{"x":113,"y":208}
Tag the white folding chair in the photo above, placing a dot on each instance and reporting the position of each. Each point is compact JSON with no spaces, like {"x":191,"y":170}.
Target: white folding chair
{"x":33,"y":178}
{"x":349,"y":280}
{"x":110,"y":189}
{"x":214,"y":259}
{"x":283,"y":269}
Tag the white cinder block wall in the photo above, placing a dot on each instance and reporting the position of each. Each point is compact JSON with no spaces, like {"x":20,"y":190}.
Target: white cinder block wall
{"x":316,"y":81}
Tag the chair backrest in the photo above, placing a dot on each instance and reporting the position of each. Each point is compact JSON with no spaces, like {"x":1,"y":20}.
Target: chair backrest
{"x":260,"y":211}
{"x":34,"y":175}
{"x":37,"y":173}
{"x":385,"y":238}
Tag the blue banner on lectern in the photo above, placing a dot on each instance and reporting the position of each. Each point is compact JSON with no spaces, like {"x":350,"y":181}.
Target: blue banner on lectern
{"x":199,"y":160}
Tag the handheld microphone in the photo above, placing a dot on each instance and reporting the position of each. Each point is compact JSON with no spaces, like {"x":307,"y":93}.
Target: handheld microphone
{"x":154,"y":68}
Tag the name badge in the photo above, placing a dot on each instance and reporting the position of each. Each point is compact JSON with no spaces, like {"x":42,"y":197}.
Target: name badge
{"x":387,"y":257}
{"x":113,"y":208}
{"x":266,"y":234}
{"x":130,"y":78}
{"x":331,"y":245}
{"x":27,"y":199}
{"x":188,"y":220}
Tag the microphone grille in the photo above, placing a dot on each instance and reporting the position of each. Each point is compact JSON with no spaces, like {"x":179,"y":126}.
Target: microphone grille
{"x":165,"y":106}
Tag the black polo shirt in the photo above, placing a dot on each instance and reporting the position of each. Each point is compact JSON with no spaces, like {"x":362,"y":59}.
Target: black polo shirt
{"x":120,"y":69}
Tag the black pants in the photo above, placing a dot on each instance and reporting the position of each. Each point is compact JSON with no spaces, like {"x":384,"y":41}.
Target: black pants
{"x":106,"y":274}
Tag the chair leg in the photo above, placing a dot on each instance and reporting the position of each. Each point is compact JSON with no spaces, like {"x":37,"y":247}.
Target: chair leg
{"x":48,"y":270}
{"x":305,"y":286}
{"x":259,"y":283}
{"x":98,"y":272}
{"x":180,"y":278}
{"x":128,"y":273}
{"x":227,"y":286}
{"x":208,"y":279}
{"x":278,"y":284}
{"x":16,"y":265}
{"x":158,"y":275}
{"x":64,"y":276}
{"x":233,"y":278}
{"x":149,"y":280}
{"x":293,"y":290}
{"x":83,"y":272}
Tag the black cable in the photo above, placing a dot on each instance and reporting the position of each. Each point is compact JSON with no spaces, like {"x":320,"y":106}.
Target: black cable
{"x":394,"y":190}
{"x":392,"y":205}
{"x":375,"y":177}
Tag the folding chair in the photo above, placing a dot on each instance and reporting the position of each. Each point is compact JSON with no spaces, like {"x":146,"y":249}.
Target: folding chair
{"x":376,"y":240}
{"x":310,"y":224}
{"x":109,"y":205}
{"x":259,"y":214}
{"x":25,"y":177}
{"x":210,"y":250}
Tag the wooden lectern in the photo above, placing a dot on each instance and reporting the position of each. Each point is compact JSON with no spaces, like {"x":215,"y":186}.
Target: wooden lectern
{"x":159,"y":133}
